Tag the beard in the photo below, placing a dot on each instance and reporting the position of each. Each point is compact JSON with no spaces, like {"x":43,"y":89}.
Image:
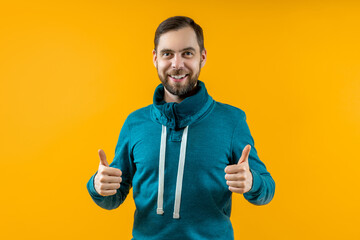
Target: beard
{"x":180,"y":89}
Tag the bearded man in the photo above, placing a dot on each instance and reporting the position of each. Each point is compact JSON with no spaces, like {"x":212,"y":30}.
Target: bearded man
{"x":185,"y":154}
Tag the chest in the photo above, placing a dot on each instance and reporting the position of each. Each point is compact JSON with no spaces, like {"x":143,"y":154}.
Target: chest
{"x":208,"y":152}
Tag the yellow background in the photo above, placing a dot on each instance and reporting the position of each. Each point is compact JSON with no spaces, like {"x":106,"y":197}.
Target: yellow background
{"x":71,"y":72}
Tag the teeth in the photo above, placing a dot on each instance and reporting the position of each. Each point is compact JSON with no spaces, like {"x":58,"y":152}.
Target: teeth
{"x":178,"y":76}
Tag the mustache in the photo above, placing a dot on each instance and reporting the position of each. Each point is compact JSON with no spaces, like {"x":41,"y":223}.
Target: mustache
{"x":178,"y":72}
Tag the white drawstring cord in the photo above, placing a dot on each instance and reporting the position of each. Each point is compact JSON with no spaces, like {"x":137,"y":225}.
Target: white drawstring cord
{"x":160,"y":209}
{"x":180,"y":174}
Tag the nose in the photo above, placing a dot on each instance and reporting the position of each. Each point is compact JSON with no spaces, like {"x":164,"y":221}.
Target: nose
{"x":177,"y":62}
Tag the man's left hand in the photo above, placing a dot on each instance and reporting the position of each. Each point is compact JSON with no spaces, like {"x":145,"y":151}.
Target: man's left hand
{"x":238,"y":176}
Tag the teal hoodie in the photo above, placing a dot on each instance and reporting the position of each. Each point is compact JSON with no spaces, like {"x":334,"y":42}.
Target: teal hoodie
{"x":174,"y":156}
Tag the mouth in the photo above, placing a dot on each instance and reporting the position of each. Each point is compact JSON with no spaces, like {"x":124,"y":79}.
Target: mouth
{"x":178,"y":78}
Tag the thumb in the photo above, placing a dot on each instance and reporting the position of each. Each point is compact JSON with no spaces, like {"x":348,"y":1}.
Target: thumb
{"x":245,"y":154}
{"x":103,"y":158}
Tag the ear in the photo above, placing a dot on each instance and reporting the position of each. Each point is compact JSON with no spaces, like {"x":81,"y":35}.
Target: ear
{"x":154,"y":58}
{"x":203,"y":57}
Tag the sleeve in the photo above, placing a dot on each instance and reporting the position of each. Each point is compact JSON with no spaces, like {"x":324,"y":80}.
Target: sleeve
{"x":263,"y":187}
{"x":123,"y":160}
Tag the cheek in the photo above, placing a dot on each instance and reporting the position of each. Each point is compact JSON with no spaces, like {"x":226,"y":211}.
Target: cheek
{"x":163,"y":65}
{"x":194,"y":66}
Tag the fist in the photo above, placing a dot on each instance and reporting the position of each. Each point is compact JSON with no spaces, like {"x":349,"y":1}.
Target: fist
{"x":108,"y":179}
{"x":238,"y":176}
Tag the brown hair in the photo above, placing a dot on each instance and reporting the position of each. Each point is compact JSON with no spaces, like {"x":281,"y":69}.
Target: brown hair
{"x":178,"y":22}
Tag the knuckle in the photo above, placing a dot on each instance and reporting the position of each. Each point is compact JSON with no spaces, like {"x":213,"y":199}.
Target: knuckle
{"x":100,"y":172}
{"x":236,"y":177}
{"x":101,"y":178}
{"x":241,"y":178}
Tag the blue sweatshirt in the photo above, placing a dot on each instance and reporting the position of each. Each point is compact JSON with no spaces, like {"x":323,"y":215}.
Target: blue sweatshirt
{"x":174,"y":156}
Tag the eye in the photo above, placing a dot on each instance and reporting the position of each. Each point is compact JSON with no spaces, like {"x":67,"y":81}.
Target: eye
{"x":188,"y":53}
{"x":166,"y":54}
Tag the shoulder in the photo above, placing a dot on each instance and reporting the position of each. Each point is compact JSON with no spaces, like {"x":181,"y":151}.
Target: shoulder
{"x":229,"y":110}
{"x":139,"y":112}
{"x":138,"y":116}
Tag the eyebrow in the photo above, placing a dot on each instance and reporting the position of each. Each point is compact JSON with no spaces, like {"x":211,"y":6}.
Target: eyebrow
{"x":170,"y":50}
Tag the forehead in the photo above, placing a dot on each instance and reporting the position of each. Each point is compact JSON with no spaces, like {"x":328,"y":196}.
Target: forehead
{"x":178,"y":39}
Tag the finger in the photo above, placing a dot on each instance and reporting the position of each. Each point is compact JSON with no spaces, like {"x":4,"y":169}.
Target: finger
{"x":235,"y":177}
{"x":245,"y":154}
{"x":237,"y":190}
{"x":109,"y":186}
{"x":102,"y":156}
{"x":236,"y":184}
{"x":107,"y":192}
{"x":236,"y":168}
{"x":110,"y":179}
{"x":232,"y":169}
{"x":110,"y":171}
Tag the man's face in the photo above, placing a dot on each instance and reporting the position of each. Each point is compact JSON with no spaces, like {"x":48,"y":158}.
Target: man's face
{"x":178,"y":61}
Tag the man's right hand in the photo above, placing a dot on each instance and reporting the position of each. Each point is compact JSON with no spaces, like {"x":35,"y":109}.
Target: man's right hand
{"x":107,"y":179}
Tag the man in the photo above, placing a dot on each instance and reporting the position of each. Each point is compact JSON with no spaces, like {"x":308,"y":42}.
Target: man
{"x":185,"y":154}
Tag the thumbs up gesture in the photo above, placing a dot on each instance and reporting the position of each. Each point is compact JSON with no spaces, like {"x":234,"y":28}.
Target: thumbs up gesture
{"x":238,"y":176}
{"x":108,"y":179}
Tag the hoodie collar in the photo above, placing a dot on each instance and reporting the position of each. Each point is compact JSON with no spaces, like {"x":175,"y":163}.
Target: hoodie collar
{"x":179,"y":115}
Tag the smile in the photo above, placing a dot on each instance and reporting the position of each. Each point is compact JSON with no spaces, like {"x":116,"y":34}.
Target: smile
{"x":178,"y":78}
